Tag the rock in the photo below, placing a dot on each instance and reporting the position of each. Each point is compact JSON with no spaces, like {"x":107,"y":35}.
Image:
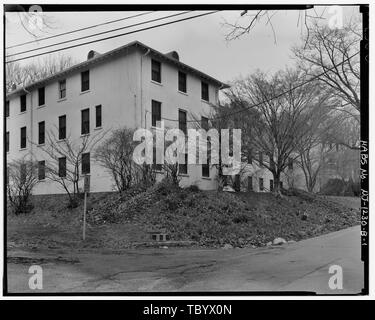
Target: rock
{"x":291,"y":241}
{"x":228,"y":189}
{"x":278,"y":241}
{"x":164,"y":247}
{"x":227,"y":246}
{"x":269,"y":244}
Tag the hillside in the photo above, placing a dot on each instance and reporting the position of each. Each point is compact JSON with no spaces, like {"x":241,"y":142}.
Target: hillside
{"x":209,"y":218}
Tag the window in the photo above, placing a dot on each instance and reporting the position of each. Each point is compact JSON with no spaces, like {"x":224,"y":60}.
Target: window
{"x":271,"y":185}
{"x":281,"y":184}
{"x":260,"y":158}
{"x":62,"y":89}
{"x":204,"y":123}
{"x":85,"y":121}
{"x":205,"y":95}
{"x":7,"y":141}
{"x":156,"y":71}
{"x":250,"y":183}
{"x":290,"y":164}
{"x":23,"y":137}
{"x":41,"y":170}
{"x":182,"y":167}
{"x":98,"y":116}
{"x":182,"y":81}
{"x":62,"y":127}
{"x":41,"y":135}
{"x":62,"y":167}
{"x":206,"y":167}
{"x":86,"y":163}
{"x":23,"y":103}
{"x":261,"y":185}
{"x":41,"y":96}
{"x":85,"y":80}
{"x":182,"y":121}
{"x":156,"y":112}
{"x":156,"y":166}
{"x":206,"y":170}
{"x":7,"y":109}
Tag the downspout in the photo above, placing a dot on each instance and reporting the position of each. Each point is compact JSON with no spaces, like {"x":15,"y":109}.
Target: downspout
{"x":143,"y":109}
{"x":31,"y":120}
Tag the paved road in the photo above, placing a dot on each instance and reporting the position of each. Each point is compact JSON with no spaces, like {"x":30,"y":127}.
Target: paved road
{"x":300,"y":266}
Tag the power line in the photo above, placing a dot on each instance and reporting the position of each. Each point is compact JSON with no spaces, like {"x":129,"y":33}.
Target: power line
{"x":81,"y":29}
{"x":97,"y":34}
{"x":274,"y":97}
{"x":114,"y":36}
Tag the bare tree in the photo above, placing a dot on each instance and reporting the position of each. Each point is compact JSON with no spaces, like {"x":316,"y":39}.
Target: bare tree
{"x":273,"y":114}
{"x":18,"y":75}
{"x":334,"y":55}
{"x":116,"y":155}
{"x":21,"y":179}
{"x":71,"y":150}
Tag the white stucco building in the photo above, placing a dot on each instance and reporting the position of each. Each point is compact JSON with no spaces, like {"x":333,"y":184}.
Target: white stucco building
{"x":132,"y":86}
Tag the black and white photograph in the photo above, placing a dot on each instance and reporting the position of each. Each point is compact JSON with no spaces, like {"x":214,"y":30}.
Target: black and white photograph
{"x":185,"y":149}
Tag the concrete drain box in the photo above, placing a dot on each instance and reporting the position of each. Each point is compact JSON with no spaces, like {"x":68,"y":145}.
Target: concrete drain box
{"x":160,"y":237}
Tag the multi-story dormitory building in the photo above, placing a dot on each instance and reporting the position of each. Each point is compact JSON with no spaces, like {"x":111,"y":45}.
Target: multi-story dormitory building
{"x":132,"y":86}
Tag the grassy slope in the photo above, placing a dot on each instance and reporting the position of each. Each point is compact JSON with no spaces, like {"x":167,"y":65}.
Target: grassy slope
{"x":210,"y":218}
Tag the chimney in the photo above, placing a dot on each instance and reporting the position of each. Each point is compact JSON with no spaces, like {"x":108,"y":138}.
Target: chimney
{"x":173,"y":55}
{"x":92,"y":54}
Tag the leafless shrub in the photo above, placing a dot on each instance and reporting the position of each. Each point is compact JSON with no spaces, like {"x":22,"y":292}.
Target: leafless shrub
{"x":21,"y":179}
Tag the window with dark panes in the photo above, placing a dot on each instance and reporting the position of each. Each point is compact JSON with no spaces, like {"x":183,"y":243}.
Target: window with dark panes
{"x":204,"y":123}
{"x":182,"y":121}
{"x":206,"y":166}
{"x":7,"y":109}
{"x":23,"y":103}
{"x":41,"y":170}
{"x":86,"y":163}
{"x":41,"y":96}
{"x":7,"y":141}
{"x":156,"y":71}
{"x":205,"y":170}
{"x":85,"y":80}
{"x":182,"y":81}
{"x":98,"y":116}
{"x":183,"y":167}
{"x":261,"y":185}
{"x":155,"y":112}
{"x":62,"y":89}
{"x":41,"y":133}
{"x":250,"y":183}
{"x":23,"y":137}
{"x":205,"y":95}
{"x":271,"y":185}
{"x":62,"y":127}
{"x":62,"y":167}
{"x":85,"y":121}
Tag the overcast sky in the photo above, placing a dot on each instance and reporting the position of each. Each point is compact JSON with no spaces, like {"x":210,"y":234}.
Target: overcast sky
{"x":200,"y":42}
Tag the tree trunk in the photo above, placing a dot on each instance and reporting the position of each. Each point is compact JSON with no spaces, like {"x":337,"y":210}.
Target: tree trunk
{"x":276,"y":183}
